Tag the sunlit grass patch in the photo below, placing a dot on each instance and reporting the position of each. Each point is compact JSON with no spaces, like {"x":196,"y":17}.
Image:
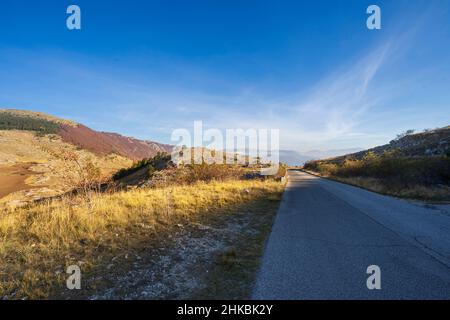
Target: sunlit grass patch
{"x":38,"y":242}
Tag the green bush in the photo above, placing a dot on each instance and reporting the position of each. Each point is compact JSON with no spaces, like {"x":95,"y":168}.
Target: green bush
{"x":10,"y":121}
{"x":158,"y":162}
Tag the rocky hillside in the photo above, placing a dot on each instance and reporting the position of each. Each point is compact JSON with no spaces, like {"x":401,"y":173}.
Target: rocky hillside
{"x":424,"y":144}
{"x":42,"y":156}
{"x":100,"y":143}
{"x":415,"y":166}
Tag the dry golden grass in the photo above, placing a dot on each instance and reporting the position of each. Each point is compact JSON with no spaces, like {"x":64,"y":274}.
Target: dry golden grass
{"x":42,"y":156}
{"x":38,"y":242}
{"x":419,"y":192}
{"x":424,"y":178}
{"x":38,"y":115}
{"x":438,"y":194}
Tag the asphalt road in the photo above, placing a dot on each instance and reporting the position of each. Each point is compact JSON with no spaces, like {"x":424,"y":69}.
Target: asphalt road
{"x":326,"y":234}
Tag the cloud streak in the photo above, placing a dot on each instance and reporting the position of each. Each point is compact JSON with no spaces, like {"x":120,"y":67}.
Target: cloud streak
{"x":327,"y":111}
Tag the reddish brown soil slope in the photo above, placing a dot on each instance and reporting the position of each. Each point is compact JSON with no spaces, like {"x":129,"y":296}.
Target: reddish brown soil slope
{"x":105,"y":142}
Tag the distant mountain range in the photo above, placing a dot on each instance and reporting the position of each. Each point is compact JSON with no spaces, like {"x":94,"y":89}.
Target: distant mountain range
{"x":103,"y":143}
{"x":293,"y":158}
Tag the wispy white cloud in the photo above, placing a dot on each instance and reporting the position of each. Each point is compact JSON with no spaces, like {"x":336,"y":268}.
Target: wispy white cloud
{"x":326,"y":111}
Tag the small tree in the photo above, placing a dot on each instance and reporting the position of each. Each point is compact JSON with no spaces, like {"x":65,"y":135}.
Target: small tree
{"x":404,"y":134}
{"x":81,"y":175}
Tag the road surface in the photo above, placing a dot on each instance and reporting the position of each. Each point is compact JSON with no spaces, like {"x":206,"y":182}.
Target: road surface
{"x":327,"y":234}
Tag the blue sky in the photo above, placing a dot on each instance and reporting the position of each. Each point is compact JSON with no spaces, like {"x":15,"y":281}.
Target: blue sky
{"x":309,"y":68}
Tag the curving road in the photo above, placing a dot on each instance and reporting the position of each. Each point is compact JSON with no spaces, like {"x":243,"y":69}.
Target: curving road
{"x":326,"y":234}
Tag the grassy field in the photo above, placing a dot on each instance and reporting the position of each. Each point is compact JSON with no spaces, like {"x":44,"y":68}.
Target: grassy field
{"x":38,"y":242}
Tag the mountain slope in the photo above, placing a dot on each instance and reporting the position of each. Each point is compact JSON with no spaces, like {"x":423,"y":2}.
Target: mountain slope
{"x":100,"y":143}
{"x":42,"y":156}
{"x":424,"y":144}
{"x":105,"y":142}
{"x":411,"y":166}
{"x":34,"y":166}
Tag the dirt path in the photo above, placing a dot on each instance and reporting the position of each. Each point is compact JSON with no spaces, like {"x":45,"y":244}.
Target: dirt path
{"x":12,"y":178}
